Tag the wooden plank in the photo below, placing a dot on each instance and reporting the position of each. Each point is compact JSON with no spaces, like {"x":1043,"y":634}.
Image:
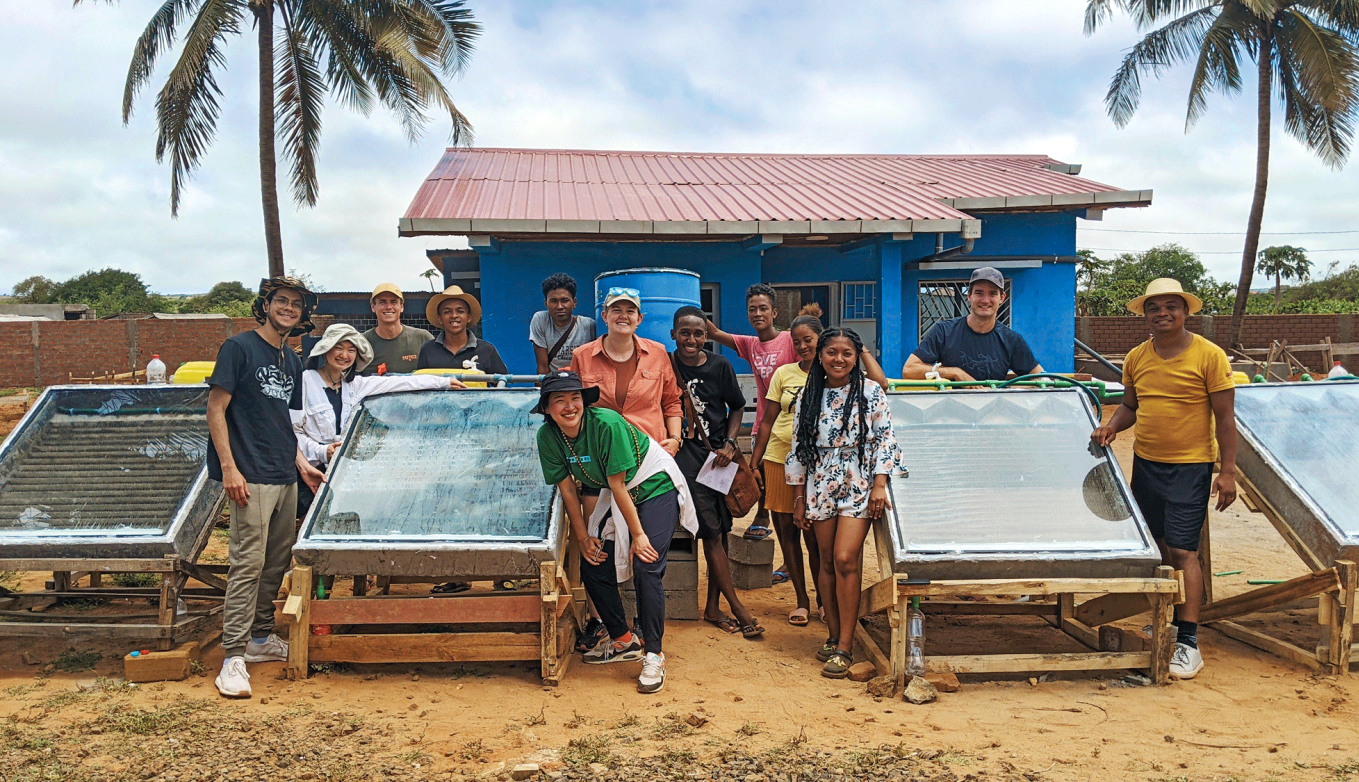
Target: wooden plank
{"x":206,"y":577}
{"x":1274,"y":594}
{"x":879,"y":597}
{"x":1042,"y":587}
{"x":299,"y":635}
{"x":1018,"y":663}
{"x":430,"y":609}
{"x":882,"y":545}
{"x":425,"y":647}
{"x":972,"y":608}
{"x":1268,"y":644}
{"x":547,"y":631}
{"x":1162,"y":632}
{"x":73,"y":629}
{"x":1081,"y":632}
{"x":1342,"y":617}
{"x":1111,"y":608}
{"x":566,"y":635}
{"x":155,"y":565}
{"x":896,"y":620}
{"x":1117,"y":639}
{"x":169,"y":602}
{"x":871,"y":650}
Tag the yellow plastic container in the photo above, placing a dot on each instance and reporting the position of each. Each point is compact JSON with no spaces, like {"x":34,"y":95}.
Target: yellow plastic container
{"x":447,"y":372}
{"x":191,"y":372}
{"x":1241,"y":378}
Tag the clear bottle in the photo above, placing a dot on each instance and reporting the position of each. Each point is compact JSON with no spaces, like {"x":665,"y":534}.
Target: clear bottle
{"x":915,"y":639}
{"x":1337,"y":370}
{"x":155,"y":370}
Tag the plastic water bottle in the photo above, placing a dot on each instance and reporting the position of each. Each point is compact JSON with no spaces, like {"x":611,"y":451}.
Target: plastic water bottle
{"x":155,"y":370}
{"x":1337,"y":370}
{"x":915,"y":639}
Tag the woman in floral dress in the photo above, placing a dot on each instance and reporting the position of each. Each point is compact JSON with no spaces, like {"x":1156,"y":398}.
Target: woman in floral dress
{"x":843,"y":453}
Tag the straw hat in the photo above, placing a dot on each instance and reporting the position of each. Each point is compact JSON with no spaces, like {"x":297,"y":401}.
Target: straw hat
{"x":343,"y":332}
{"x":1163,"y":286}
{"x":452,"y":292}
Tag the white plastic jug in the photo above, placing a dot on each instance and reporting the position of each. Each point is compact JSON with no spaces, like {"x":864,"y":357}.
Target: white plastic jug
{"x":1337,"y":371}
{"x":155,"y":370}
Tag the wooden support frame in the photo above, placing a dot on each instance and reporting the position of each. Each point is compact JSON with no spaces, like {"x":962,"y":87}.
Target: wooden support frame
{"x":1333,"y":586}
{"x":527,"y":626}
{"x":1068,"y":606}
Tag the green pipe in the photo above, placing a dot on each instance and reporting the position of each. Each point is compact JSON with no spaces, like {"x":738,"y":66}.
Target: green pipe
{"x":1229,"y":573}
{"x":1259,"y":581}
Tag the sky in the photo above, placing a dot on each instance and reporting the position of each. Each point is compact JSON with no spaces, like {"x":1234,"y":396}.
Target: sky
{"x":80,"y":191}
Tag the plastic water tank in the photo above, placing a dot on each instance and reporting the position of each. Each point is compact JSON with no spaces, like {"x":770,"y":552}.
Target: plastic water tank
{"x":663,"y":291}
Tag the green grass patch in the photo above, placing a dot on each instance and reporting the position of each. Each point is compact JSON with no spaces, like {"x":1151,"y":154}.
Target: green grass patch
{"x":73,"y":661}
{"x":135,"y":579}
{"x":584,"y":750}
{"x":158,"y":720}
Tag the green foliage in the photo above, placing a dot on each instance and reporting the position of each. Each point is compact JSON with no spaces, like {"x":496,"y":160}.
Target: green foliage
{"x":36,"y":290}
{"x":1336,"y":293}
{"x":109,"y":291}
{"x":1111,"y":284}
{"x":1285,"y":262}
{"x":228,"y":298}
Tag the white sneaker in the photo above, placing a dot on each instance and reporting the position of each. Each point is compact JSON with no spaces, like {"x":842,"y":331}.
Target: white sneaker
{"x":234,"y":680}
{"x":1186,"y":662}
{"x":653,"y":673}
{"x":274,"y":649}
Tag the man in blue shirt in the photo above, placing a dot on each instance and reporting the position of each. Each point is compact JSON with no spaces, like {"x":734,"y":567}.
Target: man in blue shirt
{"x":975,"y":346}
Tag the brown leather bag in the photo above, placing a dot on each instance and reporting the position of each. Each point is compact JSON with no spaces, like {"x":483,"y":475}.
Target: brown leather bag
{"x":745,"y":491}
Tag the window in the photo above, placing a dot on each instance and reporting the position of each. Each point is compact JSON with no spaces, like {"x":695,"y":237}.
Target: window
{"x":790,"y":299}
{"x":941,"y":300}
{"x":710,"y":301}
{"x":857,"y":300}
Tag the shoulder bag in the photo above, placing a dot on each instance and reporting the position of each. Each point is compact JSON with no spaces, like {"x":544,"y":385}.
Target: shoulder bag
{"x":744,"y":493}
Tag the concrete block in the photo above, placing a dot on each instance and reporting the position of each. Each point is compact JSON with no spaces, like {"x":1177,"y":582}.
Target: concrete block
{"x":173,"y":665}
{"x":678,"y":576}
{"x":679,"y":604}
{"x":682,"y":547}
{"x":745,"y":576}
{"x":751,"y":552}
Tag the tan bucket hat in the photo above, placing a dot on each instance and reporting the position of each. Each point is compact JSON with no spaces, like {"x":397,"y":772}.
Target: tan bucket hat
{"x":343,"y":332}
{"x":452,"y":292}
{"x":1163,"y":286}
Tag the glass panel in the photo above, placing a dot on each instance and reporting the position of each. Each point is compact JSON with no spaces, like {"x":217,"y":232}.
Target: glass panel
{"x":1312,"y":430}
{"x":1006,"y":471}
{"x":447,"y":465}
{"x":100,"y":461}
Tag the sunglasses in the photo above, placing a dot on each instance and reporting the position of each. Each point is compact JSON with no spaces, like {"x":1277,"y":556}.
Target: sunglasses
{"x":631,"y":292}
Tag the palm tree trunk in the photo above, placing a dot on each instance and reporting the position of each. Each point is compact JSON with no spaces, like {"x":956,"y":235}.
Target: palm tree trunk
{"x":273,"y":231}
{"x":1278,"y":289}
{"x":1257,"y":206}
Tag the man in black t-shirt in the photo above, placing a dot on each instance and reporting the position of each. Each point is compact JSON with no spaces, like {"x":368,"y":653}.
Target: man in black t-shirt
{"x":252,"y":450}
{"x":713,"y":402}
{"x":975,"y":346}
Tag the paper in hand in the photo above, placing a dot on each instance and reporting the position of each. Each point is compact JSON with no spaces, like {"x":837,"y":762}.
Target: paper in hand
{"x":717,"y":478}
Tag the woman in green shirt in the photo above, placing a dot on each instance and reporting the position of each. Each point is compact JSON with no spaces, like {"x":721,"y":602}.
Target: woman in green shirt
{"x":588,"y":451}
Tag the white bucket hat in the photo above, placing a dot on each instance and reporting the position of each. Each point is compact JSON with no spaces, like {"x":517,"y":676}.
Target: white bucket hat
{"x":343,"y":332}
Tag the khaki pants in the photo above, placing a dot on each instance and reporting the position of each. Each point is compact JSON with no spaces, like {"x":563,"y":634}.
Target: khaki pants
{"x":262,"y":535}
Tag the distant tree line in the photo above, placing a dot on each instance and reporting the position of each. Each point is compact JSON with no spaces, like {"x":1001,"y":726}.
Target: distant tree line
{"x":118,"y":292}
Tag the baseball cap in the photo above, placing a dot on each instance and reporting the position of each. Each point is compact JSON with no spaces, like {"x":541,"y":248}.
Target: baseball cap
{"x":623,"y":294}
{"x":387,"y":287}
{"x":990,"y":274}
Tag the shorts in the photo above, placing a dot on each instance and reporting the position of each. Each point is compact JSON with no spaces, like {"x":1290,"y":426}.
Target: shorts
{"x":778,"y":495}
{"x":714,"y":520}
{"x":1173,"y":499}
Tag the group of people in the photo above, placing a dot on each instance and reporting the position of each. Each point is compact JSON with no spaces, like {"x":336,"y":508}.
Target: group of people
{"x":628,"y":424}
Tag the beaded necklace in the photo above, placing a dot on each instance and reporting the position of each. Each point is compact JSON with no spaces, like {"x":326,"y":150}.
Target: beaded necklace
{"x":603,"y":480}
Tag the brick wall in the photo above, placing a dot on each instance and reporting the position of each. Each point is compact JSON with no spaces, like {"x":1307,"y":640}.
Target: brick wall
{"x":1118,"y":335}
{"x":40,"y":353}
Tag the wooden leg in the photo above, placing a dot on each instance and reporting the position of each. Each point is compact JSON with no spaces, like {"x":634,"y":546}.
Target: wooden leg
{"x":61,"y":581}
{"x":298,"y":607}
{"x":547,"y":587}
{"x":1162,"y":631}
{"x":1342,"y":617}
{"x":169,"y":602}
{"x":896,"y":619}
{"x":360,"y":586}
{"x":96,"y":580}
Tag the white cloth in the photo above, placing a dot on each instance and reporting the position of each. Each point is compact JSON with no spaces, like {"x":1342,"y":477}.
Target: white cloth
{"x":315,"y":422}
{"x":616,"y":529}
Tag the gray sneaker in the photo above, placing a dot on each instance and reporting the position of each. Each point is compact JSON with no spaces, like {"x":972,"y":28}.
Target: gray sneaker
{"x":653,"y":674}
{"x":611,"y":651}
{"x":274,"y":649}
{"x":1186,"y":662}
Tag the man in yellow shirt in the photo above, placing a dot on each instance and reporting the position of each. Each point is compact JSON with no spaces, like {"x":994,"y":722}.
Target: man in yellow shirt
{"x":1178,"y":394}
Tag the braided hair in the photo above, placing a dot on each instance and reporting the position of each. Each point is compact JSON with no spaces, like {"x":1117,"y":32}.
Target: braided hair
{"x":813,"y":392}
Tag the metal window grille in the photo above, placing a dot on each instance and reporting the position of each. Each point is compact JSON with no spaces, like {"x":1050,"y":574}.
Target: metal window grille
{"x":858,"y":301}
{"x":710,"y":301}
{"x":941,"y":300}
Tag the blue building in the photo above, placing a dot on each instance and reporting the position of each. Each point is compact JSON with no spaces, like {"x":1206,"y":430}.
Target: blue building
{"x":885,"y":243}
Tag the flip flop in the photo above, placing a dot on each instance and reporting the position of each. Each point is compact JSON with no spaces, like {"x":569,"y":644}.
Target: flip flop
{"x":756,"y":532}
{"x":798,"y":618}
{"x":781,"y":577}
{"x":752,"y":631}
{"x":726,"y":624}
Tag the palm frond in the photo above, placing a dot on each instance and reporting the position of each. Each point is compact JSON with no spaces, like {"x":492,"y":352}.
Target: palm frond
{"x":339,"y":37}
{"x":1318,"y":74}
{"x":1157,"y":51}
{"x":1218,"y":69}
{"x":187,"y":107}
{"x":158,"y":36}
{"x":299,"y":96}
{"x":454,"y":30}
{"x":1097,"y":12}
{"x":1340,"y":15}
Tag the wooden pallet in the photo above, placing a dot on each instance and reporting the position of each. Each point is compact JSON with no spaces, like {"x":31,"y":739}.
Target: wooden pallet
{"x":1065,"y":603}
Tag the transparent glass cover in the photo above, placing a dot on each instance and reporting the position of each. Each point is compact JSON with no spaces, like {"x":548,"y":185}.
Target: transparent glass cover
{"x":1311,"y":430}
{"x":444,"y":465}
{"x":1006,"y":472}
{"x":103,"y":461}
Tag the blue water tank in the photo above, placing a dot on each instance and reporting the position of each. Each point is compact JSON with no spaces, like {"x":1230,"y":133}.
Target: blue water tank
{"x":663,"y":291}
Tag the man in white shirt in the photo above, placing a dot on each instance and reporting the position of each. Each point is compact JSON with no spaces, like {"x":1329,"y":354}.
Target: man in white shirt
{"x":558,"y":330}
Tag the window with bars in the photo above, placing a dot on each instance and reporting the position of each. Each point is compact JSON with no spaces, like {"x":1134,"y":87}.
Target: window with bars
{"x":858,"y":301}
{"x":941,"y":300}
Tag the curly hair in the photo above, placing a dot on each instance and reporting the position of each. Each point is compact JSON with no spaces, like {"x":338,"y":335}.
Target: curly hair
{"x":760,"y":289}
{"x":809,"y":316}
{"x":812,"y":394}
{"x":559,"y":280}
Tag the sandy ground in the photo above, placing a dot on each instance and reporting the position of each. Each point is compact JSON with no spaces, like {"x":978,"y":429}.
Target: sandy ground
{"x":1248,"y":716}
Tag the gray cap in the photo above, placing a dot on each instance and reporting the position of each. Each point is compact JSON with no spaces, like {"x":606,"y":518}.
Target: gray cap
{"x":990,"y":274}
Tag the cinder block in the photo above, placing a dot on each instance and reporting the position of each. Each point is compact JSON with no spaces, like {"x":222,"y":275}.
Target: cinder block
{"x":173,"y":665}
{"x":751,"y":552}
{"x":679,"y":604}
{"x":682,"y":547}
{"x":746,"y":576}
{"x":682,"y":575}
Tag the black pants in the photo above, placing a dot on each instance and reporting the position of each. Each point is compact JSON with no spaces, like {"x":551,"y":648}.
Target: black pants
{"x":659,"y":517}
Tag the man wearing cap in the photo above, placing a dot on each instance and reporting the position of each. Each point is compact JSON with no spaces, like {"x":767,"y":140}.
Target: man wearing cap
{"x":1178,"y":394}
{"x":457,"y":347}
{"x":396,"y":347}
{"x":975,"y":346}
{"x":253,"y":451}
{"x":557,"y":331}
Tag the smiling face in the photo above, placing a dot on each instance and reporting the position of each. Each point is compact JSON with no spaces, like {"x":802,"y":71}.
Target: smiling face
{"x":689,"y":335}
{"x":454,"y":316}
{"x":804,"y":342}
{"x":838,"y":358}
{"x":566,"y":408}
{"x":283,"y":310}
{"x":760,"y":312}
{"x":342,"y":356}
{"x":1165,"y":314}
{"x":622,"y":317}
{"x":388,"y":308}
{"x":985,"y":298}
{"x":561,"y":305}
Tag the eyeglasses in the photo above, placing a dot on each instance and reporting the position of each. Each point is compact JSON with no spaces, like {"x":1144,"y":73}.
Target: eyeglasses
{"x":631,"y":292}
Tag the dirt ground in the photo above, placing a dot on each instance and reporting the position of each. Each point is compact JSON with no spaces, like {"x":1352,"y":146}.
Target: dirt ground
{"x":731,"y":709}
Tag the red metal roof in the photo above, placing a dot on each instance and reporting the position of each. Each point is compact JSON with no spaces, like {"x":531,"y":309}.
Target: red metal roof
{"x":663,"y":187}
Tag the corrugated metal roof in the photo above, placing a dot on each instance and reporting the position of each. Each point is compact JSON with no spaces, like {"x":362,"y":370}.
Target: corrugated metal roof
{"x":662,"y":187}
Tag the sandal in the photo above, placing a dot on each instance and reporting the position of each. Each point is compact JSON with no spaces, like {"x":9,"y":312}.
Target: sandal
{"x":837,"y":666}
{"x":726,"y":624}
{"x":752,"y":630}
{"x":781,"y":577}
{"x":828,"y":649}
{"x":799,"y":617}
{"x":450,"y":588}
{"x":756,"y":532}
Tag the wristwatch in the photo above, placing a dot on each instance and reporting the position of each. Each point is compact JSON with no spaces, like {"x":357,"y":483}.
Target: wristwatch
{"x":732,"y":443}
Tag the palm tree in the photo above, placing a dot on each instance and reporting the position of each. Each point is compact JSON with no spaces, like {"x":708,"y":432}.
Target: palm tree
{"x":362,"y":52}
{"x":1285,"y":263}
{"x":1307,"y":48}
